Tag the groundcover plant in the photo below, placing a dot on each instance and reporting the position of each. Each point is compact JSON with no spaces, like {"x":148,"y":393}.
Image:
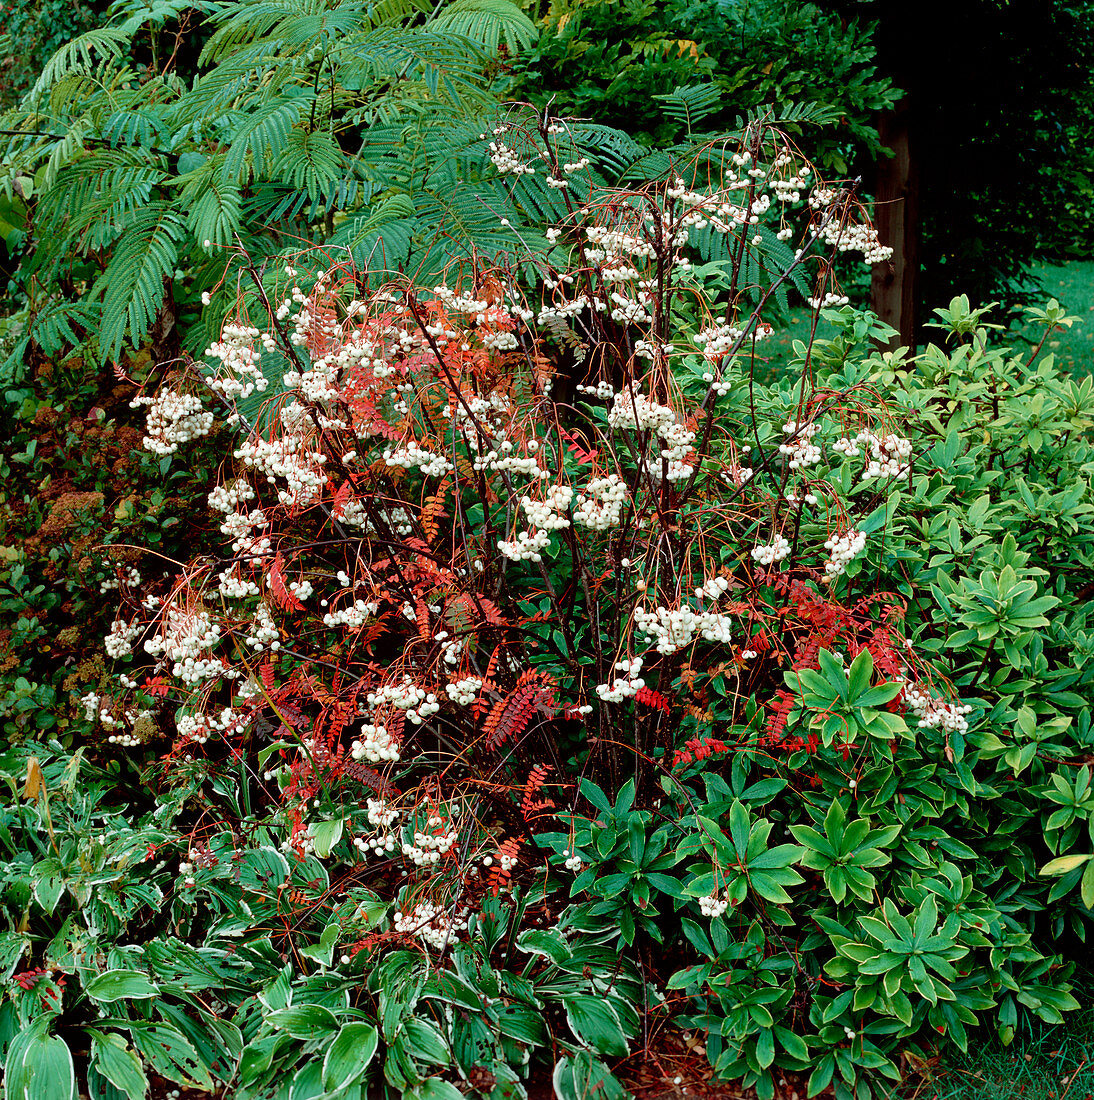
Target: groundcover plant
{"x":557,"y":677}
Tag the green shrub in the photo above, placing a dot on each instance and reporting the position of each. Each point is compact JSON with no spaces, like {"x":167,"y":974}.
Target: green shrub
{"x":662,"y":71}
{"x":557,"y":666}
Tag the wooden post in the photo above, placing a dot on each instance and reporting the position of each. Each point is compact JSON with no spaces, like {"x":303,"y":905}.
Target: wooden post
{"x":893,"y":285}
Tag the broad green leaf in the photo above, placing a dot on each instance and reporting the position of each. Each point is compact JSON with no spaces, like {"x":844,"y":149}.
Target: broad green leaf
{"x":765,"y":1048}
{"x":433,"y":1088}
{"x":582,"y":1076}
{"x":45,"y":1071}
{"x":325,"y":835}
{"x":1086,"y":887}
{"x":859,"y":675}
{"x":349,"y":1055}
{"x":594,"y":1022}
{"x":739,"y":828}
{"x":1062,"y":864}
{"x":119,"y":985}
{"x":550,"y":944}
{"x":119,"y":1064}
{"x":424,"y":1042}
{"x":323,"y":951}
{"x":303,"y":1021}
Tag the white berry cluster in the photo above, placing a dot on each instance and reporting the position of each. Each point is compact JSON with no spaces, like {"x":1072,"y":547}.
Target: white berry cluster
{"x":124,"y":740}
{"x":428,"y":848}
{"x":673,"y":628}
{"x":186,"y":869}
{"x":549,"y":514}
{"x":302,"y":590}
{"x":90,"y":703}
{"x":772,"y":552}
{"x":800,"y":450}
{"x":617,"y":242}
{"x":713,"y":589}
{"x":236,"y":351}
{"x":712,"y":906}
{"x":829,"y":300}
{"x":888,"y":457}
{"x":527,"y":546}
{"x":636,"y":412}
{"x":431,"y":924}
{"x":129,"y":576}
{"x":411,"y":457}
{"x":232,"y":586}
{"x":380,"y":814}
{"x":198,"y":727}
{"x":572,"y":861}
{"x":602,"y":390}
{"x":381,"y":817}
{"x":855,"y":238}
{"x":736,"y":474}
{"x":264,"y":631}
{"x":718,"y":339}
{"x":506,"y":160}
{"x":352,"y":616}
{"x":503,"y":460}
{"x":406,"y":696}
{"x":843,"y":549}
{"x":678,"y":442}
{"x":119,"y":642}
{"x":381,"y":844}
{"x":225,"y":498}
{"x":173,"y":418}
{"x":240,"y":527}
{"x":288,"y":459}
{"x":936,"y":713}
{"x":600,"y":504}
{"x":374,"y":744}
{"x":626,"y":686}
{"x":464,"y":692}
{"x":452,"y":649}
{"x":185,"y":634}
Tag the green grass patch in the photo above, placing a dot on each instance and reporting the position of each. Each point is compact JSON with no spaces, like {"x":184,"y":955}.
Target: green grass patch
{"x":1049,"y":1063}
{"x":1072,"y":284}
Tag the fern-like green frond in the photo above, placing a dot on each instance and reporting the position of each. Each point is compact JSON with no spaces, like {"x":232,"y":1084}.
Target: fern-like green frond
{"x":61,"y":324}
{"x":491,"y":23}
{"x":259,"y":137}
{"x":143,"y":126}
{"x":253,"y":75}
{"x":214,"y":204}
{"x":381,"y":240}
{"x":107,"y":43}
{"x":448,"y":65}
{"x":613,"y":150}
{"x":309,"y":161}
{"x":691,"y":103}
{"x":65,"y":151}
{"x":99,"y":188}
{"x":813,"y":113}
{"x":132,"y":287}
{"x":158,"y":12}
{"x":299,"y":26}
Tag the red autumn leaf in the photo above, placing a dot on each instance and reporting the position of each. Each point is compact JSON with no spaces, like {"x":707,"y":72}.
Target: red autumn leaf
{"x":276,"y":576}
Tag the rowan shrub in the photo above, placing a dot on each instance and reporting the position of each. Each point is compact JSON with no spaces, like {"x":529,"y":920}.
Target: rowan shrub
{"x":556,"y":673}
